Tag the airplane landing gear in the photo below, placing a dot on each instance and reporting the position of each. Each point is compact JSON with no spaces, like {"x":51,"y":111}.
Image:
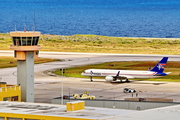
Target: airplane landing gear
{"x":91,"y":79}
{"x":127,"y":80}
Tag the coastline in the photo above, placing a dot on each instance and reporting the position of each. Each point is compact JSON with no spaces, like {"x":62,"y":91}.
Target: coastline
{"x":102,"y":44}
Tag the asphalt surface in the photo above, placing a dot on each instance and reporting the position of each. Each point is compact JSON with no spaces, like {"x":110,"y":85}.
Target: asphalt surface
{"x":48,"y":86}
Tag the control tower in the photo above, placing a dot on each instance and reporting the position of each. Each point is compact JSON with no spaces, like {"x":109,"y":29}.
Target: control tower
{"x":26,"y":48}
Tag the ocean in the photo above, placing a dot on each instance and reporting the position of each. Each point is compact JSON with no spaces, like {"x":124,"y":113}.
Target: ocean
{"x":119,"y":18}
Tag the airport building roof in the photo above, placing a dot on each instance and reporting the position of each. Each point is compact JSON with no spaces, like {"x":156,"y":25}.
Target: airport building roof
{"x":59,"y":110}
{"x":165,"y":113}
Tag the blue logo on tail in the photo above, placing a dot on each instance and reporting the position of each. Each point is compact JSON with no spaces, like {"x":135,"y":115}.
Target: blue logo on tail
{"x":159,"y":68}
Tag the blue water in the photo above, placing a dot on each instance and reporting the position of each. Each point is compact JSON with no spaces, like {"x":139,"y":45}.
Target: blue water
{"x":121,"y":18}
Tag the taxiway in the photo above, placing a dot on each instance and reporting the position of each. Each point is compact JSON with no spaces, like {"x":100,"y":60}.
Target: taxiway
{"x":48,"y":87}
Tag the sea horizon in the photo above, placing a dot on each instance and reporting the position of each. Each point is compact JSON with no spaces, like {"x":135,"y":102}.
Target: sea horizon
{"x":132,"y":18}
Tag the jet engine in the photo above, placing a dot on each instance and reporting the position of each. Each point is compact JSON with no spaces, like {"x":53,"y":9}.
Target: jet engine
{"x":109,"y":78}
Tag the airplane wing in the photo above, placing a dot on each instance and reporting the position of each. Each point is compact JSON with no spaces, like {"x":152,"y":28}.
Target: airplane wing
{"x":123,"y":77}
{"x":118,"y":76}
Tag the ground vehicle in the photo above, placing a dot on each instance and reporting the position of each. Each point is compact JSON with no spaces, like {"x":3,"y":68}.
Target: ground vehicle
{"x":129,"y":90}
{"x":83,"y":96}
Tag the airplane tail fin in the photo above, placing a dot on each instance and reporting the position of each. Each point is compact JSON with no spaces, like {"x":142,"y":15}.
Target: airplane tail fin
{"x":159,"y":68}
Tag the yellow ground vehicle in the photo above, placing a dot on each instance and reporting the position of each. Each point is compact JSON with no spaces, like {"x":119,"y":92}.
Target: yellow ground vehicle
{"x":83,"y":96}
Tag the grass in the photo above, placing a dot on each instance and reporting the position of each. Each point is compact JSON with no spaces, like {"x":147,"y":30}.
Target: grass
{"x":173,"y":67}
{"x":102,"y":44}
{"x":105,"y":44}
{"x":6,"y":62}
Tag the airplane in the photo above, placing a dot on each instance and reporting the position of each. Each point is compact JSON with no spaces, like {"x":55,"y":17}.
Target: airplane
{"x":114,"y":75}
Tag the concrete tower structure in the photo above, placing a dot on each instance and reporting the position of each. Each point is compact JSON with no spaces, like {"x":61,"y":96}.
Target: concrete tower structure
{"x":26,"y":48}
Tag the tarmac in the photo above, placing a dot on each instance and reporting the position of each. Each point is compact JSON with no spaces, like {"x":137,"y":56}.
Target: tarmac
{"x":48,"y":86}
{"x":44,"y":92}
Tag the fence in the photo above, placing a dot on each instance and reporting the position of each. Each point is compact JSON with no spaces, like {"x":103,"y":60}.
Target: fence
{"x":118,"y":104}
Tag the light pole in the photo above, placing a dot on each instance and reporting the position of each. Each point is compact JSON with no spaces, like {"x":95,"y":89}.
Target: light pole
{"x":62,"y":87}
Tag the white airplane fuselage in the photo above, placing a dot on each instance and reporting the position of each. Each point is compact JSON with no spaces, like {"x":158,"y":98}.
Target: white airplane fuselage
{"x":126,"y":73}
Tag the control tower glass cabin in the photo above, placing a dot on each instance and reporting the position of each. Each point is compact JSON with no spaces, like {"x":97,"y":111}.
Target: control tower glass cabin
{"x":24,"y":41}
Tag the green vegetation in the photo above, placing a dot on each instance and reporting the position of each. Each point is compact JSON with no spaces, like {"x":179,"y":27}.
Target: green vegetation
{"x":5,"y":41}
{"x":102,"y":44}
{"x":105,"y":44}
{"x":6,"y":62}
{"x":173,"y":67}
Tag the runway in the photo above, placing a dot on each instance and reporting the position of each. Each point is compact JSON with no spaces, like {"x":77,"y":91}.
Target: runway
{"x":48,"y":87}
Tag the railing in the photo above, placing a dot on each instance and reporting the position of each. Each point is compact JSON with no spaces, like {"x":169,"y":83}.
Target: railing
{"x":10,"y":88}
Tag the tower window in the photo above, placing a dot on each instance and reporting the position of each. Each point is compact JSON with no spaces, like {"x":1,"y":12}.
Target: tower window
{"x":29,"y":40}
{"x":35,"y":40}
{"x":17,"y":41}
{"x":24,"y":41}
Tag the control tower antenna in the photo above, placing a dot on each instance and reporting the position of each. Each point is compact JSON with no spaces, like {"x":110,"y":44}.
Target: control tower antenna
{"x":34,"y":22}
{"x":24,"y":27}
{"x":15,"y":27}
